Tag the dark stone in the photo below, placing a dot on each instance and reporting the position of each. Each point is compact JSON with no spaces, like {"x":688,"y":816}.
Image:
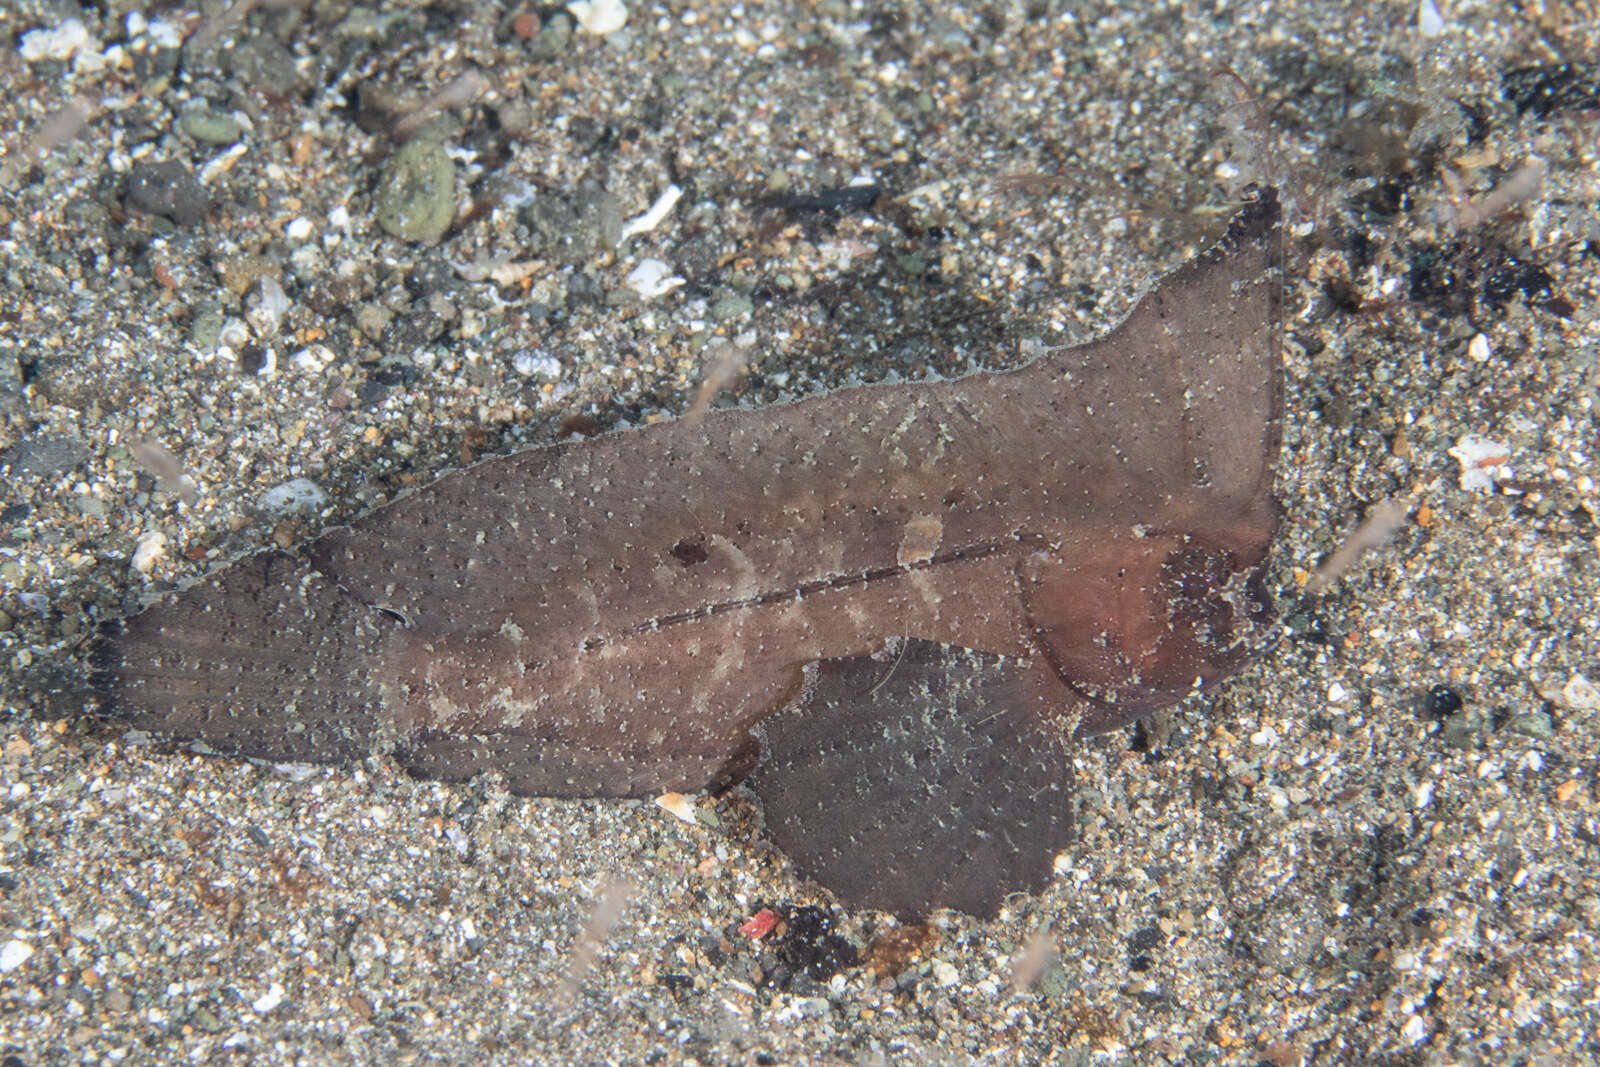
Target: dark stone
{"x":1441,"y":700}
{"x":432,"y":275}
{"x":810,"y":947}
{"x":252,"y":358}
{"x":44,"y":455}
{"x":1145,"y":938}
{"x":583,"y":290}
{"x":405,"y":333}
{"x":167,"y":189}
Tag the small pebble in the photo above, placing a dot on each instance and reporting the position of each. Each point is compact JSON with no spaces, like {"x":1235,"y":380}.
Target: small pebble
{"x":59,"y":42}
{"x":209,"y":127}
{"x":652,"y":278}
{"x":1479,"y":456}
{"x":1534,"y":724}
{"x":297,"y":496}
{"x":599,"y":16}
{"x":416,"y":197}
{"x":532,"y":365}
{"x":14,"y":955}
{"x":168,"y":189}
{"x":268,"y":1000}
{"x":270,"y":308}
{"x":732,"y":306}
{"x":205,"y":326}
{"x":152,"y":546}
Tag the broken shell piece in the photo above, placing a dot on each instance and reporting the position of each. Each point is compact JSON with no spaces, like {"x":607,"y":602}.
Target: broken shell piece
{"x":152,"y":546}
{"x":652,"y":218}
{"x":652,"y":278}
{"x":1478,"y":457}
{"x":679,"y":806}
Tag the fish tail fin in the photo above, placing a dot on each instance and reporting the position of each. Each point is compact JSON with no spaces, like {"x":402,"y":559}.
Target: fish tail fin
{"x":266,"y":658}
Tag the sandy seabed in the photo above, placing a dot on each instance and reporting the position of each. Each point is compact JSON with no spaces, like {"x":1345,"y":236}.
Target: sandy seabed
{"x":1378,"y":844}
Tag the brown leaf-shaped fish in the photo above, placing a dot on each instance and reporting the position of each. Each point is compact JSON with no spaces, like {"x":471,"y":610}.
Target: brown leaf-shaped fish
{"x":910,"y":596}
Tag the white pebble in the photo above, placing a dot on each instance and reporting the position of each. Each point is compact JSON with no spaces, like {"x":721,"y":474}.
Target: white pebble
{"x":1479,"y":456}
{"x":14,"y":955}
{"x":269,"y":1000}
{"x":312,"y":359}
{"x":532,"y":365}
{"x":59,"y":42}
{"x":1337,"y":693}
{"x":945,"y":973}
{"x":1580,"y":694}
{"x":152,"y":546}
{"x":1429,"y":22}
{"x":599,"y":16}
{"x":165,"y":34}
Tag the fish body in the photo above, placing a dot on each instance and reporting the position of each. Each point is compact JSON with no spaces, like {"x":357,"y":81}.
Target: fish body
{"x":1080,"y":540}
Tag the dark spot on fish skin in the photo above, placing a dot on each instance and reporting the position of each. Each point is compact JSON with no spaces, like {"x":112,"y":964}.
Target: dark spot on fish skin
{"x":690,"y":550}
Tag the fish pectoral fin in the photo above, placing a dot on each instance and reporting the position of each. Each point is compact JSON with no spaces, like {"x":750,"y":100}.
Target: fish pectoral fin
{"x":931,"y":776}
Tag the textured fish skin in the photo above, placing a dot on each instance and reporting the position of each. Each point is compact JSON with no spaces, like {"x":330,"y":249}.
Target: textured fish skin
{"x":612,"y":617}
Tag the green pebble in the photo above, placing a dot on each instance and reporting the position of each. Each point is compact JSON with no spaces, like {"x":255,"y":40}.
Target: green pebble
{"x":1536,"y":725}
{"x":205,"y":328}
{"x":731,"y":307}
{"x":416,"y":197}
{"x":93,"y":507}
{"x":209,"y":127}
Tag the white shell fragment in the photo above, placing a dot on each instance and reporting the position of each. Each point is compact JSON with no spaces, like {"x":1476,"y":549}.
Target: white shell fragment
{"x":1479,"y":456}
{"x":14,"y":955}
{"x":652,"y":218}
{"x":152,"y":546}
{"x":59,"y":42}
{"x":269,"y":1000}
{"x":652,"y":278}
{"x":679,"y":806}
{"x":270,"y":308}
